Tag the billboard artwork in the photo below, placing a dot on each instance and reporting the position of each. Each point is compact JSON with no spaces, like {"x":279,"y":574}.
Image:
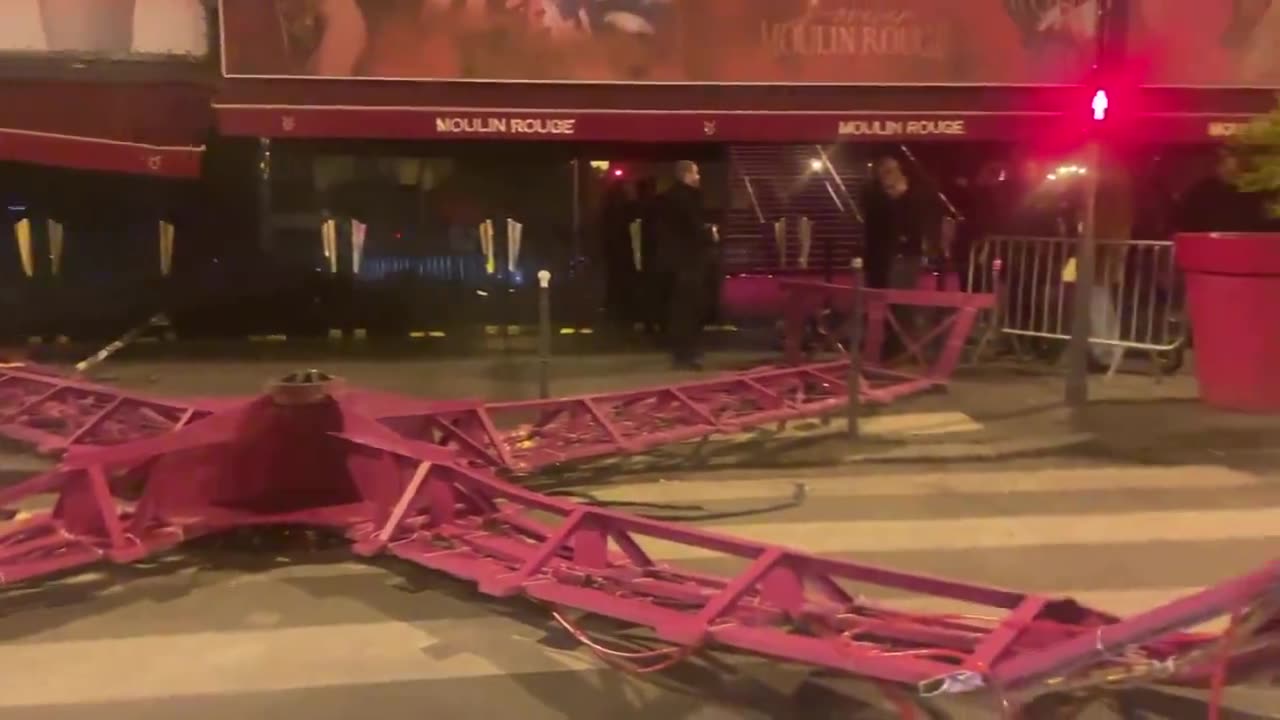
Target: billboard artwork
{"x":1197,"y":43}
{"x":117,"y":29}
{"x":944,"y":42}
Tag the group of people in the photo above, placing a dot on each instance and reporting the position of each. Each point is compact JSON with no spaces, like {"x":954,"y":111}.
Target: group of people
{"x":669,"y":283}
{"x":915,"y":228}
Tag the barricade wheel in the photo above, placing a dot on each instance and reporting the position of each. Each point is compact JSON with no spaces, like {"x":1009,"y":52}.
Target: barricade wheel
{"x":1048,"y":350}
{"x":821,"y":334}
{"x":1170,"y":361}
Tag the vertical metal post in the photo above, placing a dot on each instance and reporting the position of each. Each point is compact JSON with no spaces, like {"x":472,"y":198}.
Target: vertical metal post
{"x":264,"y":193}
{"x":1077,"y":391}
{"x":853,"y":384}
{"x":995,"y":318}
{"x":576,"y":210}
{"x":805,"y":235}
{"x":544,"y":334}
{"x":1113,"y":22}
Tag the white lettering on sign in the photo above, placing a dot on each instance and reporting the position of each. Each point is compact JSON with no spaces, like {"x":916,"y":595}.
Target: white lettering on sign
{"x":903,"y":127}
{"x":506,"y":126}
{"x":1226,"y":129}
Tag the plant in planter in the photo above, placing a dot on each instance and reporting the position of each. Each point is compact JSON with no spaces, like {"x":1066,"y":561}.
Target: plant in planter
{"x":1257,"y":151}
{"x":1233,"y":287}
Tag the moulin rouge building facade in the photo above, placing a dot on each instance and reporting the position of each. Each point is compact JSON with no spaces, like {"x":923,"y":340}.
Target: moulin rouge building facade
{"x":272,"y":109}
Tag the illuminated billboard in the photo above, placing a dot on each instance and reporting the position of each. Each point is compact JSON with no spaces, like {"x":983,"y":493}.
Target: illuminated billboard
{"x":1207,"y":43}
{"x":114,"y":29}
{"x":713,"y":42}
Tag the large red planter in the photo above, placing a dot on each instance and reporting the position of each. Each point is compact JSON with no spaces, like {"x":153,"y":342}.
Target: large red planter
{"x":1233,"y":290}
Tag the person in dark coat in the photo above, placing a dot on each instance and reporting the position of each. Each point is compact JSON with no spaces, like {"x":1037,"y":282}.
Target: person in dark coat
{"x":903,"y":224}
{"x":615,"y":246}
{"x":903,"y":234}
{"x":686,"y":254}
{"x":652,"y":282}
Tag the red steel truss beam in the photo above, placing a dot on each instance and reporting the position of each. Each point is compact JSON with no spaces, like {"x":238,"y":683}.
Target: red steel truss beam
{"x":526,"y":436}
{"x":54,"y":413}
{"x":327,"y":463}
{"x":943,"y":318}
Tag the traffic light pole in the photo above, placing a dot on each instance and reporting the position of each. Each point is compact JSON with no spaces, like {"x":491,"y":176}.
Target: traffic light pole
{"x":1086,"y":263}
{"x":1113,"y":29}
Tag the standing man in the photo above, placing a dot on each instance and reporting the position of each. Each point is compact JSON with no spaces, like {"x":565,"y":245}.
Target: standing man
{"x":686,"y":253}
{"x":903,"y":232}
{"x":903,"y":227}
{"x":615,"y":247}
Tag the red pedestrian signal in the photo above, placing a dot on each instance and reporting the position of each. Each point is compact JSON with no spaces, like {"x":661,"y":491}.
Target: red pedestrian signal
{"x":1101,"y":104}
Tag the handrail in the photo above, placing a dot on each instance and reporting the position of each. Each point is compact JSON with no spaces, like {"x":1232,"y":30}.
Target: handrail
{"x":832,"y":192}
{"x":751,"y":192}
{"x":826,"y":161}
{"x":951,"y":208}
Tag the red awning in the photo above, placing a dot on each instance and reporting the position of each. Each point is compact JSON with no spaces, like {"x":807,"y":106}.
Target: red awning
{"x":438,"y":123}
{"x":138,"y":128}
{"x":646,"y":113}
{"x":452,"y":111}
{"x":617,"y":125}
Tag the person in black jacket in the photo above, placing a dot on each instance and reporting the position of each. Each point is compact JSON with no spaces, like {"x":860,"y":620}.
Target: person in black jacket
{"x":903,"y":224}
{"x":653,"y":287}
{"x":615,"y":246}
{"x":686,"y":255}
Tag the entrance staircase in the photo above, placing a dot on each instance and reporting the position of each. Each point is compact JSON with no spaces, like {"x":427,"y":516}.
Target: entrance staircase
{"x":772,"y":182}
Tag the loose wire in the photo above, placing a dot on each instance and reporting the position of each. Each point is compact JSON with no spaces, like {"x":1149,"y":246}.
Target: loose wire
{"x":625,"y":659}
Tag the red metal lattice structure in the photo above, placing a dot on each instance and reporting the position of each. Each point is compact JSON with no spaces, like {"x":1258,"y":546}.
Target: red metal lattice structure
{"x":954,"y":315}
{"x":52,"y":413}
{"x":529,"y":435}
{"x":314,"y":454}
{"x":55,"y":413}
{"x":422,"y":481}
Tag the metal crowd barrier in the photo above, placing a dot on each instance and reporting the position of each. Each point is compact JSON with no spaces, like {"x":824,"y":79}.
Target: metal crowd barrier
{"x":1137,"y":302}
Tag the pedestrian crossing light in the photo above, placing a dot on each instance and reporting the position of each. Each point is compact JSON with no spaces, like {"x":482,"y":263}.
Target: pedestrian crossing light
{"x":1101,"y":104}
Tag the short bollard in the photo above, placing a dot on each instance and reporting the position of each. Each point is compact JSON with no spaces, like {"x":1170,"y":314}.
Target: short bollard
{"x":544,"y":334}
{"x":854,"y":381}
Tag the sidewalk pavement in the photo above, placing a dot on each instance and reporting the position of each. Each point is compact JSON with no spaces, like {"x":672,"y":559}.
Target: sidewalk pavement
{"x":1136,"y":418}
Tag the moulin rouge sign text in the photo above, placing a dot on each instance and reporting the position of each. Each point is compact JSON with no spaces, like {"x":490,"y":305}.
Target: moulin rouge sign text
{"x":505,"y":126}
{"x":904,"y":128}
